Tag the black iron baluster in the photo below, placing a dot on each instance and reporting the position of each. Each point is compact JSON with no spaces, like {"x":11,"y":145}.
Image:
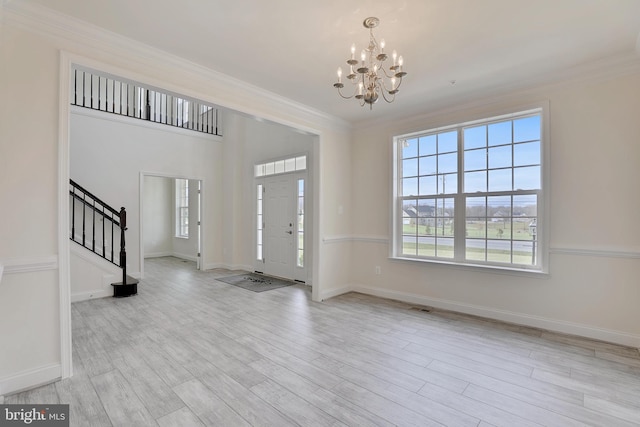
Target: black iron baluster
{"x":148,"y":107}
{"x":91,"y":90}
{"x":112,"y":225}
{"x":99,"y":93}
{"x":84,"y":204}
{"x":216,"y":121}
{"x":197,"y":117}
{"x":127,"y":99}
{"x":103,"y":245}
{"x":73,"y":214}
{"x":93,"y":229}
{"x":113,"y":97}
{"x":75,"y":87}
{"x":84,"y":92}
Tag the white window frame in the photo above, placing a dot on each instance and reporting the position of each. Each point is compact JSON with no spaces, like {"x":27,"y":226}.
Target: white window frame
{"x":542,"y":229}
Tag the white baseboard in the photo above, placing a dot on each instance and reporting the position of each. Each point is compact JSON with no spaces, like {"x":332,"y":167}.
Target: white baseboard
{"x":184,"y":256}
{"x":98,"y":293}
{"x":229,"y":266}
{"x":157,"y":254}
{"x":29,"y":379}
{"x":335,"y":292}
{"x":587,"y":331}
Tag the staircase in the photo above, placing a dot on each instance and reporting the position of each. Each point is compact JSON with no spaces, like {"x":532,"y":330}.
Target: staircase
{"x":99,"y":228}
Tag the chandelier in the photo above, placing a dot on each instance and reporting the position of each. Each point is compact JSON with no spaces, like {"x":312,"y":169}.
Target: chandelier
{"x":368,"y":76}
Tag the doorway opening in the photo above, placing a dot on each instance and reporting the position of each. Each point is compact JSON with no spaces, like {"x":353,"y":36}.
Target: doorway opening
{"x":281,"y":236}
{"x":170,"y":218}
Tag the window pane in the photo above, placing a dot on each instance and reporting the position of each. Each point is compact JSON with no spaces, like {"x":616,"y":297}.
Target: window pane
{"x":524,"y":253}
{"x":476,"y":207}
{"x":525,"y":205}
{"x":409,"y":245}
{"x":526,"y":154}
{"x":499,"y":251}
{"x":428,"y":165}
{"x":290,"y":165}
{"x":409,"y":148}
{"x":409,"y":216}
{"x":269,"y":168}
{"x":448,"y":184}
{"x":410,"y":167}
{"x":448,"y":142}
{"x":526,"y":129}
{"x":475,"y":159}
{"x":500,"y":133}
{"x":428,"y":185}
{"x":475,"y":137}
{"x":279,"y":166}
{"x":475,"y":181}
{"x":301,"y":163}
{"x":427,"y":145}
{"x":426,"y":246}
{"x":527,"y":178}
{"x":410,"y":187}
{"x":447,"y":163}
{"x":476,"y":227}
{"x":475,"y":250}
{"x":444,"y":247}
{"x":500,"y":157}
{"x":259,"y":170}
{"x":499,"y":206}
{"x":500,"y":180}
{"x":426,"y":208}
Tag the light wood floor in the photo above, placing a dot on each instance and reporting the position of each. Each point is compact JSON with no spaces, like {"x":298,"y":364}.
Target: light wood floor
{"x":190,"y":351}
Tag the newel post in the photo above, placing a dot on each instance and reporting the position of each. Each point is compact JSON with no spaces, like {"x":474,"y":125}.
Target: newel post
{"x":123,"y":252}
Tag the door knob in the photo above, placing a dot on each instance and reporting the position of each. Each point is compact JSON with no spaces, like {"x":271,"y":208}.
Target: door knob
{"x":289,"y":232}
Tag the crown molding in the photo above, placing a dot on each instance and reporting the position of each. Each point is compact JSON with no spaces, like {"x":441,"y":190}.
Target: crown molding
{"x":608,"y":68}
{"x":240,"y":94}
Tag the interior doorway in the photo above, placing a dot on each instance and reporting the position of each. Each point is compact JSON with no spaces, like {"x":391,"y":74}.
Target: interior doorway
{"x":170,"y":218}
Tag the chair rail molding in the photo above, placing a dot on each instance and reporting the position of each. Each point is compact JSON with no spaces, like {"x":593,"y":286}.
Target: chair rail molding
{"x":29,"y":264}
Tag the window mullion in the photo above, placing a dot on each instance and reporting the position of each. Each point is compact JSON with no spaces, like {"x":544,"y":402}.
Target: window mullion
{"x":460,"y":202}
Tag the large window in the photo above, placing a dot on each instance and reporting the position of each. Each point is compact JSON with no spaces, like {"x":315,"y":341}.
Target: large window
{"x":472,"y":193}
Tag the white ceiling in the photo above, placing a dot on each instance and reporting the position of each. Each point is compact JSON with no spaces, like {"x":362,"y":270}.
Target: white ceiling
{"x":293,"y":47}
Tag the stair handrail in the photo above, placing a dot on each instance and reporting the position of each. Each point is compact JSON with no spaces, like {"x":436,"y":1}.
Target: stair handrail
{"x":90,"y":194}
{"x":117,"y":218}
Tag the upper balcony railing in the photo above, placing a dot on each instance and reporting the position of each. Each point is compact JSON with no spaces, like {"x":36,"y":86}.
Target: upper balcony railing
{"x":98,"y":91}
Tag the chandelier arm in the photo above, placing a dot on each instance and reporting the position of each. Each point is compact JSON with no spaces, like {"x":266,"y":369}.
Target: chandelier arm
{"x":389,"y":76}
{"x":384,"y":95}
{"x":347,"y":97}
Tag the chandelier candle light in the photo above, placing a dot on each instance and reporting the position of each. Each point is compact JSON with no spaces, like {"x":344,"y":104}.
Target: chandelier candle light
{"x":369,"y":77}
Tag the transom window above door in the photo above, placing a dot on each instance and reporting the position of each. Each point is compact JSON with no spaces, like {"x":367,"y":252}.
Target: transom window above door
{"x":292,"y":164}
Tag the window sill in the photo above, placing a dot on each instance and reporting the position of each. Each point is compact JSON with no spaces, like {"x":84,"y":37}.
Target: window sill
{"x":491,"y":269}
{"x":182,"y":237}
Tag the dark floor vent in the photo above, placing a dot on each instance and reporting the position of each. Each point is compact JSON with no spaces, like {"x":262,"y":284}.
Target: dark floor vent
{"x":425,"y":309}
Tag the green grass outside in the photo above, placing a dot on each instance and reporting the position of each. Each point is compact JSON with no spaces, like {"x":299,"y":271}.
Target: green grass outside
{"x":477,"y":254}
{"x":475,"y":229}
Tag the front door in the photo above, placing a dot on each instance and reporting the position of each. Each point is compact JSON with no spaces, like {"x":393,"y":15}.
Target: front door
{"x":279,"y":225}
